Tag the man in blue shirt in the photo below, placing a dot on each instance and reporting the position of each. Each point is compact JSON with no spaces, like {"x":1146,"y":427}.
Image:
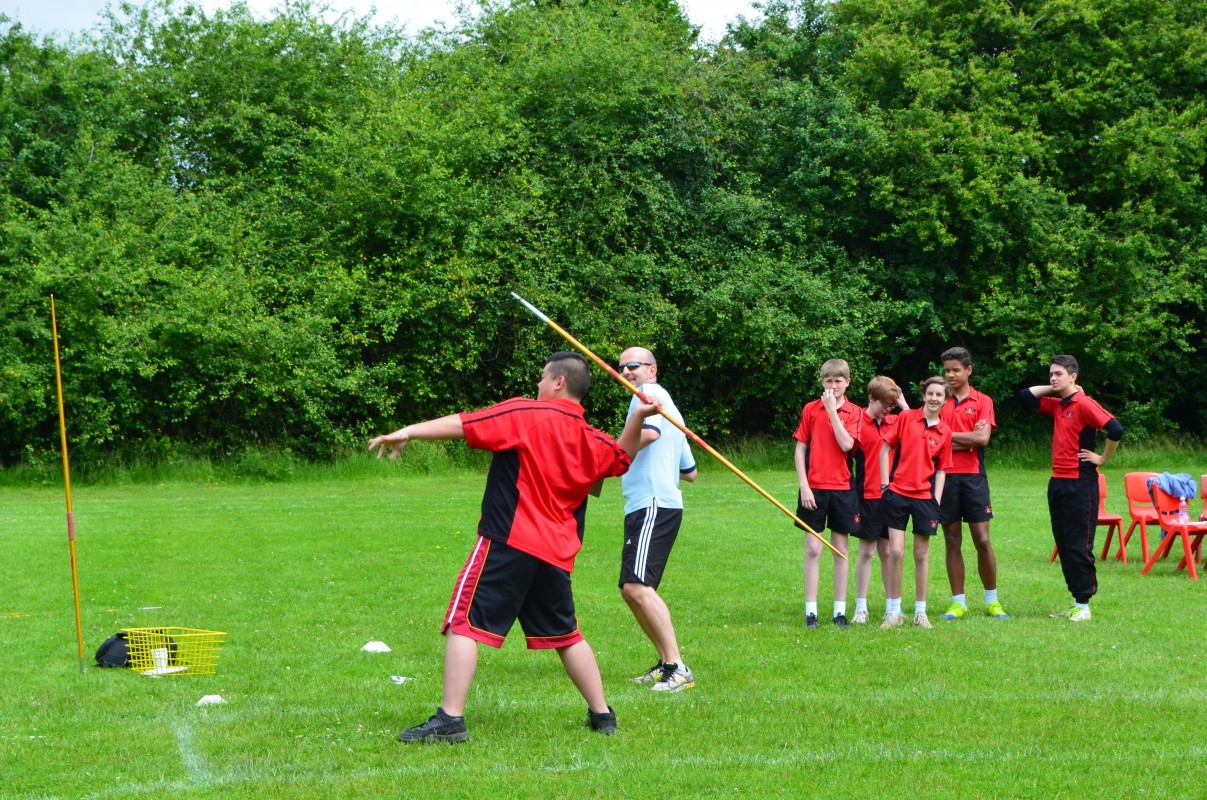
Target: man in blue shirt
{"x":653,"y":511}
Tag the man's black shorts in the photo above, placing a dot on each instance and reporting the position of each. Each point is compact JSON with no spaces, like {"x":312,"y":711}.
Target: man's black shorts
{"x":965,"y":497}
{"x":898,"y":510}
{"x":499,"y":585}
{"x":649,"y":535}
{"x":837,"y":509}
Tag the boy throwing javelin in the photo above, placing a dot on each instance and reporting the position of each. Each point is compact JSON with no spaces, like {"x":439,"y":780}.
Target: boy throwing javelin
{"x":547,"y":458}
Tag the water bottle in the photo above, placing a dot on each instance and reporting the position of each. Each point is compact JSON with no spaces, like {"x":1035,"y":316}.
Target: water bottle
{"x":1183,"y":514}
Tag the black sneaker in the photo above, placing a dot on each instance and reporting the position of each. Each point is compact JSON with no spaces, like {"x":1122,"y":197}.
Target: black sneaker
{"x":440,"y":727}
{"x":841,"y":621}
{"x":811,"y":621}
{"x":604,"y":723}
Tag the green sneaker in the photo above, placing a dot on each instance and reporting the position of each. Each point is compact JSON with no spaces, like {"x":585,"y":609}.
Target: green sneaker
{"x":957,"y":611}
{"x":1074,"y":614}
{"x":996,"y":611}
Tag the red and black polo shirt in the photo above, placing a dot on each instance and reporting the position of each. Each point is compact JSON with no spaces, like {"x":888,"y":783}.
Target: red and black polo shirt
{"x":921,"y":450}
{"x":962,"y":416}
{"x":546,"y":459}
{"x":827,"y":466}
{"x":1077,"y":419}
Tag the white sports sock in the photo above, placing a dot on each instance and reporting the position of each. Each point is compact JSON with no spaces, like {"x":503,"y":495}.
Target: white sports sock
{"x":962,"y":600}
{"x":840,"y":608}
{"x":990,"y":596}
{"x":811,"y":608}
{"x":893,"y":605}
{"x":861,"y":604}
{"x":920,"y":607}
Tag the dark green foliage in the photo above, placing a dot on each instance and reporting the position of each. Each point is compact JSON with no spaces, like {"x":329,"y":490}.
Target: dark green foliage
{"x":287,"y":232}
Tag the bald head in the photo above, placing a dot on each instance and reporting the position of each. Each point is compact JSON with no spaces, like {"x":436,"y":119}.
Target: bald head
{"x":638,"y":366}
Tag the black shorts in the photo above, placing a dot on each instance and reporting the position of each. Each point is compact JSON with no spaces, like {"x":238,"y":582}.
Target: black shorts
{"x":897,"y":511}
{"x":965,"y":497}
{"x":499,"y":585}
{"x":649,"y":535}
{"x":837,"y":507}
{"x":871,"y":520}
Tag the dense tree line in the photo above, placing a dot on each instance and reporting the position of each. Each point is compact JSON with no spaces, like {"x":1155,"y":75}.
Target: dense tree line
{"x":291,"y":231}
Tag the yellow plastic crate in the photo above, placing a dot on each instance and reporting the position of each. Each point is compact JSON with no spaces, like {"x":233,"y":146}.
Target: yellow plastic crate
{"x":171,"y":651}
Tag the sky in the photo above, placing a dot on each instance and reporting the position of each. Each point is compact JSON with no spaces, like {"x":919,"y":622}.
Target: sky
{"x":69,"y":16}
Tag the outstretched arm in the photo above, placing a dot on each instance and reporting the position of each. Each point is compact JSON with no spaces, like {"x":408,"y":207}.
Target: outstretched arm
{"x":449,"y":427}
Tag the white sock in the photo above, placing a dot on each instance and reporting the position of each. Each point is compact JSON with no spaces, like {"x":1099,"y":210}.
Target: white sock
{"x":1081,"y":605}
{"x":811,"y":608}
{"x":990,"y":596}
{"x":962,"y":600}
{"x":840,"y":607}
{"x":893,"y":605}
{"x":861,"y":604}
{"x":920,"y":607}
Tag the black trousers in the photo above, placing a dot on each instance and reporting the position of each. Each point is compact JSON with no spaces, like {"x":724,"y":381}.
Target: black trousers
{"x":1073,"y":505}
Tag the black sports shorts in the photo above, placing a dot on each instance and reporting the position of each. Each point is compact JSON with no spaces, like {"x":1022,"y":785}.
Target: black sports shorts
{"x":649,"y":535}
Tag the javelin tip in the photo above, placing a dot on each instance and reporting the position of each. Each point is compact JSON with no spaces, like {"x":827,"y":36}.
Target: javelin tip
{"x":531,"y":308}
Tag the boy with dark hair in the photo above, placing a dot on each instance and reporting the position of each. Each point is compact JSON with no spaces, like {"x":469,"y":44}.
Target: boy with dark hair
{"x":828,"y":430}
{"x":547,"y":458}
{"x":876,"y":420}
{"x":1073,"y":487}
{"x":970,"y":416}
{"x":913,"y":488}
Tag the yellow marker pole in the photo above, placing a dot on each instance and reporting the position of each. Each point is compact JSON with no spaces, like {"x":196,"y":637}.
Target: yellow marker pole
{"x":700,"y":442}
{"x":75,"y":580}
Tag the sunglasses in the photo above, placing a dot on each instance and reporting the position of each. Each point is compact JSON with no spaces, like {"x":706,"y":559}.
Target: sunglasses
{"x":631,"y":365}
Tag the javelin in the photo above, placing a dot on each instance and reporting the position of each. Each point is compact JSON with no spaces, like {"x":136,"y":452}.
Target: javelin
{"x":703,"y":444}
{"x":75,"y":580}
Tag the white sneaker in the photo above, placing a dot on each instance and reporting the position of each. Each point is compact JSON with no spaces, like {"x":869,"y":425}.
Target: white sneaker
{"x":1080,"y":614}
{"x":892,"y":620}
{"x":860,"y":618}
{"x":920,"y":620}
{"x":675,"y":677}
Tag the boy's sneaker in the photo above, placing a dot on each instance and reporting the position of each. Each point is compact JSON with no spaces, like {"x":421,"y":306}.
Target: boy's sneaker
{"x":440,"y":727}
{"x":994,"y":610}
{"x":841,"y":621}
{"x":860,"y":618}
{"x":650,"y":675}
{"x":604,"y":722}
{"x":920,"y":620}
{"x":675,"y":677}
{"x":811,"y":621}
{"x":1080,"y":614}
{"x":892,"y":620}
{"x":957,"y":611}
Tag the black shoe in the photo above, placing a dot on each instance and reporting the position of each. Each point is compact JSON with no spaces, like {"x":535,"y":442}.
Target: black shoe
{"x":811,"y":621}
{"x":841,"y":621}
{"x":604,"y":723}
{"x":440,"y":727}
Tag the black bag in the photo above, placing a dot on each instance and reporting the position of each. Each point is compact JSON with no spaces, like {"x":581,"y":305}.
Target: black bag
{"x":114,"y":651}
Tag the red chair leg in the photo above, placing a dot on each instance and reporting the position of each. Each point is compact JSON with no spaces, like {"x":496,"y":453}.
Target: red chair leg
{"x":1106,"y":546}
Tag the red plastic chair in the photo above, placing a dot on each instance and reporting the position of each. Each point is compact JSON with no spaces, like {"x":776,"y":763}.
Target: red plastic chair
{"x":1189,"y":533}
{"x":1140,"y":509}
{"x":1113,"y":522}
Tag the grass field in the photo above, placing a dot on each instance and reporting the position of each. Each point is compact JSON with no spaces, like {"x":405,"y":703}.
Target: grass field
{"x":302,"y":573}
